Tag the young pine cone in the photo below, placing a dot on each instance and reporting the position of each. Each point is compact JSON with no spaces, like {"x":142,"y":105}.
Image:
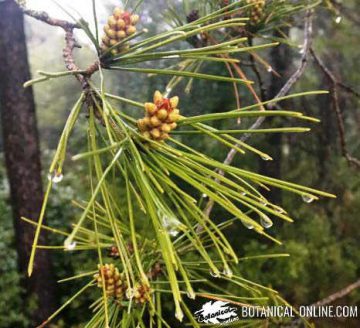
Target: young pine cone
{"x":142,"y":293}
{"x":120,"y":25}
{"x":161,"y":117}
{"x":193,"y":16}
{"x":256,"y":11}
{"x":114,"y":252}
{"x":114,"y":285}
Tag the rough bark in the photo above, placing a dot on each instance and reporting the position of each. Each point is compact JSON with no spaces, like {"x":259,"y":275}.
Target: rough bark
{"x":22,"y":154}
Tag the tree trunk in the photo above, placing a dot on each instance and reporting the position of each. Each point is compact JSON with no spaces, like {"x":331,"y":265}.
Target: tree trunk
{"x":280,"y":60}
{"x":22,"y":154}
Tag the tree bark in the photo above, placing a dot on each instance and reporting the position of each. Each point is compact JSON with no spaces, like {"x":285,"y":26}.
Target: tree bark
{"x":22,"y":155}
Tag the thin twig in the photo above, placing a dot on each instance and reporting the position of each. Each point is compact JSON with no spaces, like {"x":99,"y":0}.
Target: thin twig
{"x":331,"y":299}
{"x":285,"y":89}
{"x":82,"y":76}
{"x":336,"y":107}
{"x":294,"y":77}
{"x":70,"y":43}
{"x":44,"y":17}
{"x":339,"y":294}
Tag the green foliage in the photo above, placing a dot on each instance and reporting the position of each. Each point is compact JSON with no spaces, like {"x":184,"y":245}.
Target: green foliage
{"x":176,"y":225}
{"x":321,"y":244}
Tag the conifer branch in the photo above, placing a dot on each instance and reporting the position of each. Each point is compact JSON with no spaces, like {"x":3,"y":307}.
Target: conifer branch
{"x":330,"y":299}
{"x":285,"y":89}
{"x":336,"y":107}
{"x":44,"y":17}
{"x":70,"y":44}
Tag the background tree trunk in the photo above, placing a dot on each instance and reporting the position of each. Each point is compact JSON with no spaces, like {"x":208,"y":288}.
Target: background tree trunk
{"x":22,"y":154}
{"x":280,"y":60}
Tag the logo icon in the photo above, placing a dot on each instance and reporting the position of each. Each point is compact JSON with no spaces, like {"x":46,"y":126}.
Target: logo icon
{"x":216,"y":312}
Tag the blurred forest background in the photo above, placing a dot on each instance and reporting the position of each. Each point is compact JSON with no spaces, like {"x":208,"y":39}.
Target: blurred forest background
{"x":324,"y":241}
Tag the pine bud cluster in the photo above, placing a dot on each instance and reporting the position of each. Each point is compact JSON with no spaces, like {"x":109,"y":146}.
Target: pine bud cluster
{"x":113,"y":281}
{"x":142,"y":293}
{"x":117,"y":288}
{"x":193,"y":16}
{"x":114,"y":252}
{"x":256,"y":11}
{"x":120,"y":25}
{"x":161,"y":117}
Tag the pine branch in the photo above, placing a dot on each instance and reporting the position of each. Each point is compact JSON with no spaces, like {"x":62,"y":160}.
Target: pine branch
{"x":70,"y":44}
{"x":285,"y":89}
{"x":330,"y":299}
{"x":296,"y":75}
{"x":336,"y":107}
{"x":44,"y":17}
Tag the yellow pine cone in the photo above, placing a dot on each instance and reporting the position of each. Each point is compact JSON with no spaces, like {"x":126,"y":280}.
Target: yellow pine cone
{"x":161,"y":117}
{"x":113,"y":282}
{"x":256,"y":11}
{"x":120,"y":25}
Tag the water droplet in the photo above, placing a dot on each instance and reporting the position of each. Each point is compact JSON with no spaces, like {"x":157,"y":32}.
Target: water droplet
{"x":171,"y":224}
{"x":266,"y":157}
{"x":264,"y":203}
{"x":173,"y":232}
{"x":279,"y":209}
{"x":215,"y":274}
{"x":307,"y":198}
{"x":191,"y":294}
{"x":69,"y":245}
{"x":167,"y":92}
{"x":247,"y":224}
{"x":56,"y":177}
{"x":204,"y":195}
{"x":265,"y":221}
{"x":130,"y":293}
{"x":228,"y":272}
{"x":243,"y":193}
{"x":269,"y":69}
{"x":338,"y":19}
{"x":179,"y":314}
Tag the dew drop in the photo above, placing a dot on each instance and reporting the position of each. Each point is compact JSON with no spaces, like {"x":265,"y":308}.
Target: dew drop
{"x":179,"y":315}
{"x":204,"y":195}
{"x":266,"y":222}
{"x":338,"y":19}
{"x":228,"y":272}
{"x":243,"y":193}
{"x":279,"y":210}
{"x":269,"y":69}
{"x":247,"y":225}
{"x":266,"y":158}
{"x":130,"y":293}
{"x":301,"y":51}
{"x":191,"y":294}
{"x":56,"y":177}
{"x":69,"y":245}
{"x":308,"y":198}
{"x":171,"y":224}
{"x":215,"y":274}
{"x":173,"y":232}
{"x":167,"y":92}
